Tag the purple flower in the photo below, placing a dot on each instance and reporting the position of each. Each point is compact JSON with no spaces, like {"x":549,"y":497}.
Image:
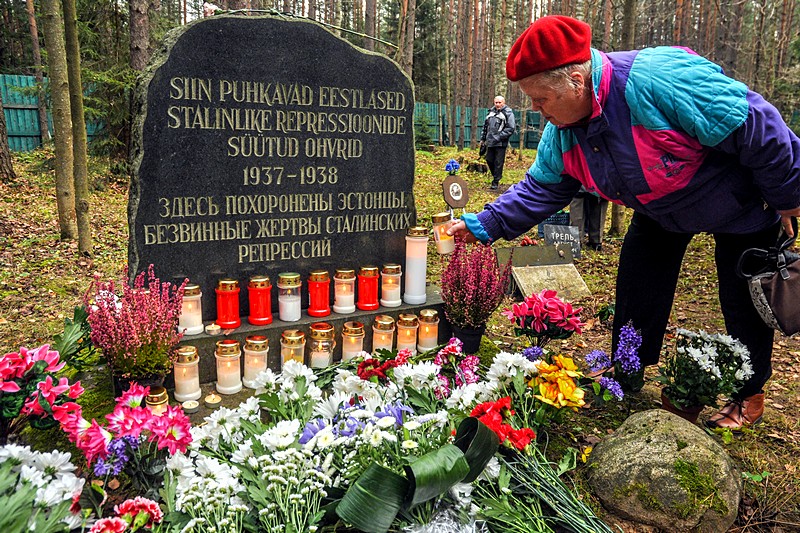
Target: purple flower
{"x":117,"y":457}
{"x":348,"y":427}
{"x":312,"y":428}
{"x":597,"y":360}
{"x":396,"y":411}
{"x":533,"y":353}
{"x":627,"y":354}
{"x":613,"y":387}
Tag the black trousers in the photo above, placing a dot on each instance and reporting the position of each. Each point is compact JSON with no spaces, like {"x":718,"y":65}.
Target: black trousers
{"x":496,"y":158}
{"x":649,"y":266}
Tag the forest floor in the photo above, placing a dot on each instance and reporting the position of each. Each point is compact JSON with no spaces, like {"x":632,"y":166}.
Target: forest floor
{"x":42,"y":279}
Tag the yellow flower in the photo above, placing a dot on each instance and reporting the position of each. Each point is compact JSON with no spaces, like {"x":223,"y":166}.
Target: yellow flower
{"x":556,"y":383}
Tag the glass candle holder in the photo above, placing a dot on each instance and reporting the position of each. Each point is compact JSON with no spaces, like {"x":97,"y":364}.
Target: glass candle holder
{"x":157,"y":400}
{"x":187,"y":374}
{"x":407,"y":326}
{"x":428,"y":330}
{"x":190,"y":321}
{"x":445,"y":244}
{"x":229,"y":366}
{"x":321,"y":345}
{"x":344,"y":291}
{"x":390,"y":285}
{"x":416,"y":265}
{"x":289,"y":296}
{"x":228,"y":304}
{"x":256,"y":350}
{"x":352,"y":340}
{"x":259,"y":294}
{"x":368,"y":288}
{"x":382,"y":333}
{"x":293,"y":345}
{"x":319,"y":293}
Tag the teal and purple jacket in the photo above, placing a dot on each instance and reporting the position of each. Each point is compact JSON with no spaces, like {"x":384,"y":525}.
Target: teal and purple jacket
{"x":671,"y":137}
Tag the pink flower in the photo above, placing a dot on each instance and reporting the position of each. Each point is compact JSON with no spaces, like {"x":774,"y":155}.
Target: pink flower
{"x":172,"y":430}
{"x":8,"y":386}
{"x":109,"y":525}
{"x":94,"y":442}
{"x":129,"y":421}
{"x":69,"y":415}
{"x":42,"y":353}
{"x":443,"y":390}
{"x":134,"y":396}
{"x":403,"y":356}
{"x":140,"y":505}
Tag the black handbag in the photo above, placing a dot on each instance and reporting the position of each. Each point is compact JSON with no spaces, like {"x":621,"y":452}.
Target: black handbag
{"x":774,"y":283}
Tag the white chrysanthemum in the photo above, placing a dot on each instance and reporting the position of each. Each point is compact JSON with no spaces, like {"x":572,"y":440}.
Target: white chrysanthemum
{"x":409,"y":445}
{"x":20,"y":455}
{"x":411,"y":425}
{"x":420,"y":376}
{"x":250,"y":409}
{"x":466,"y":397}
{"x":491,"y":471}
{"x":328,"y":407}
{"x":54,"y":463}
{"x":375,"y":438}
{"x":281,"y":436}
{"x":32,"y":475}
{"x":507,"y":365}
{"x":293,"y":370}
{"x":386,"y":422}
{"x":179,"y":463}
{"x":266,"y":381}
{"x":243,"y":452}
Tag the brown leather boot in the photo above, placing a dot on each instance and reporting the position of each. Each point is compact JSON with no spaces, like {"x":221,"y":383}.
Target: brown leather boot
{"x":739,"y":413}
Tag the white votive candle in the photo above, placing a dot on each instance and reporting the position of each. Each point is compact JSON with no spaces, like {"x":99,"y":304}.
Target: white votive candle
{"x":352,"y":340}
{"x":293,"y":345}
{"x":428,"y":330}
{"x":407,"y":333}
{"x":256,"y":350}
{"x":344,"y":297}
{"x":289,"y":304}
{"x":382,"y":333}
{"x":229,"y":370}
{"x":390,"y":285}
{"x":190,"y":321}
{"x":321,"y":345}
{"x":416,"y":265}
{"x":445,"y":243}
{"x":187,"y":375}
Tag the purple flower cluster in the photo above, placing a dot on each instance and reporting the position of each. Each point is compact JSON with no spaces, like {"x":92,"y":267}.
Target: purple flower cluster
{"x":117,"y":457}
{"x":613,"y":387}
{"x":533,"y":353}
{"x":345,"y":425}
{"x":597,"y":361}
{"x":627,"y":354}
{"x":473,"y":284}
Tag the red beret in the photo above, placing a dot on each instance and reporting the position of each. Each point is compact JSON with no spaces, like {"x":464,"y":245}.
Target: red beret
{"x":548,"y":43}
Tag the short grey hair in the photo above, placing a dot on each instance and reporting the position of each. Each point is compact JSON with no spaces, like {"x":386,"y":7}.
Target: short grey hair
{"x":559,"y":78}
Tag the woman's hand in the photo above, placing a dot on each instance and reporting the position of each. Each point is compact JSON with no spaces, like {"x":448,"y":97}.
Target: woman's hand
{"x":786,"y":220}
{"x":459,"y":229}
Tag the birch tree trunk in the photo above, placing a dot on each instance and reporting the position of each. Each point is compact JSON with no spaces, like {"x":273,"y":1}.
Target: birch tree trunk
{"x":37,"y":65}
{"x":7,"y":174}
{"x":80,"y":160}
{"x":62,"y":120}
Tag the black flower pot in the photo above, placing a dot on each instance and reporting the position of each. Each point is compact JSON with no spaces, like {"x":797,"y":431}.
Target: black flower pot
{"x":471,"y":337}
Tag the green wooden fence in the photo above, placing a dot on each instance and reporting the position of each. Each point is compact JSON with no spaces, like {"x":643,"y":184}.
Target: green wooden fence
{"x":22,"y":119}
{"x":21,"y":106}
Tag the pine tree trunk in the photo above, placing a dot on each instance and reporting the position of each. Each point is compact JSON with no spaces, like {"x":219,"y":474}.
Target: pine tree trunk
{"x":370,"y":12}
{"x":62,"y":120}
{"x":7,"y":174}
{"x":80,"y":163}
{"x":37,"y":62}
{"x":139,"y":33}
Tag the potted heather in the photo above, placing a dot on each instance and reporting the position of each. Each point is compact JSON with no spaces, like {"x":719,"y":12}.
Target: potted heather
{"x":473,"y":285}
{"x":135,"y":325}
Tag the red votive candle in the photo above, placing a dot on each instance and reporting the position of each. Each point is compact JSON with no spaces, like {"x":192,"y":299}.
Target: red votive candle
{"x":368,"y":288}
{"x":259,"y":294}
{"x":319,"y":293}
{"x":228,"y":304}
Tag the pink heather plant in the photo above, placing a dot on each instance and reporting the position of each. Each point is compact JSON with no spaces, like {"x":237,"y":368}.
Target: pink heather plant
{"x":543,"y":317}
{"x":473,"y":284}
{"x":137,"y":329}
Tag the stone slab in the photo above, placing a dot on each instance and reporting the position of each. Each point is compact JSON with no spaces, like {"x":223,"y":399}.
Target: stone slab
{"x":263,"y":145}
{"x":562,"y":278}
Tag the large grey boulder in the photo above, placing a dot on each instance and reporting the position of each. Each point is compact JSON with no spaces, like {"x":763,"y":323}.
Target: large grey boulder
{"x":661,"y":470}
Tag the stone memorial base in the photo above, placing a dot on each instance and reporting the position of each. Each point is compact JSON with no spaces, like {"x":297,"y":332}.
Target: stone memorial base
{"x":205,"y":344}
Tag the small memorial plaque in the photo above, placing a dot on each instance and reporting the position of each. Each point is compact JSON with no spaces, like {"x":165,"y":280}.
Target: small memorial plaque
{"x":456,"y":191}
{"x":264,"y":145}
{"x":564,"y":234}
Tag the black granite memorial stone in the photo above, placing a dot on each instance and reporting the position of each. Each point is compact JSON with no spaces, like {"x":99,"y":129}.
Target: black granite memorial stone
{"x":264,"y":145}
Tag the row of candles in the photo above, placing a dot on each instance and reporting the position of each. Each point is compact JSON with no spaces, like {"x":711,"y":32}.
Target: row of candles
{"x":413,"y":333}
{"x":259,"y":288}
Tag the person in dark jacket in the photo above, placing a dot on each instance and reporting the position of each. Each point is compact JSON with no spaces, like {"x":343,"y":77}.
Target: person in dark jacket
{"x":498,"y":127}
{"x":690,"y":150}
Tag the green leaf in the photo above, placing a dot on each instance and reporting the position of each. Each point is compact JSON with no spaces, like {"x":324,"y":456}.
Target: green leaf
{"x":434,"y":473}
{"x":373,"y":501}
{"x":479,"y":444}
{"x":568,"y":462}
